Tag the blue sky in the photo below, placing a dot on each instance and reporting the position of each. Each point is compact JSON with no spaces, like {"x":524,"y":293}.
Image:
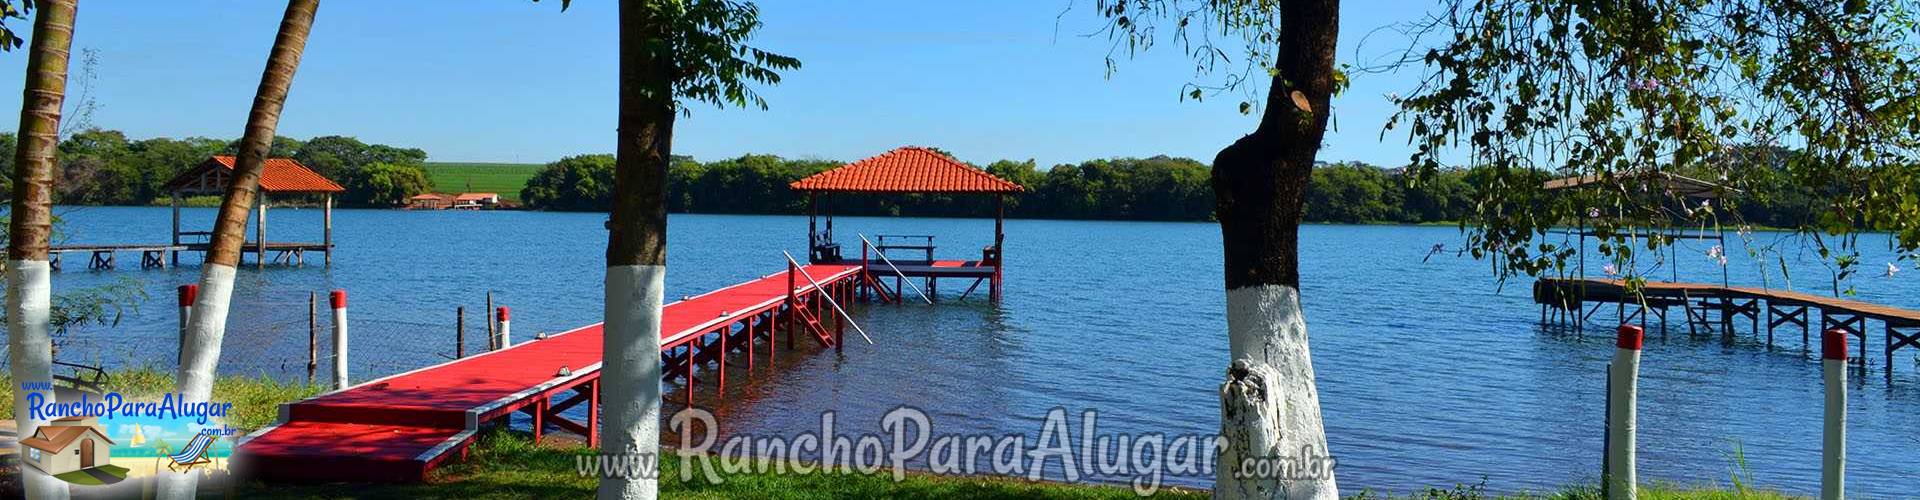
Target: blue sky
{"x":514,"y":81}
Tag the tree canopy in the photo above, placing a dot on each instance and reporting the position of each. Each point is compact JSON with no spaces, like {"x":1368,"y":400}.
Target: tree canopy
{"x":1812,"y":102}
{"x":105,"y":167}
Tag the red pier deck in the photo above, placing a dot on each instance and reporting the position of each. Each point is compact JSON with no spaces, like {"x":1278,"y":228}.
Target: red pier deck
{"x":399,"y":427}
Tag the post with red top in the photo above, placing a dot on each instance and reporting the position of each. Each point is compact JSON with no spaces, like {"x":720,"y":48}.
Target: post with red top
{"x":506,"y":338}
{"x":793,"y":306}
{"x":338,"y":300}
{"x":1833,"y":449}
{"x":1621,"y":400}
{"x":188,"y":293}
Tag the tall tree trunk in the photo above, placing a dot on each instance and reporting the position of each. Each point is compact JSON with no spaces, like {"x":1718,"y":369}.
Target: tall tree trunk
{"x":29,"y":288}
{"x":200,"y":357}
{"x":1269,"y":405}
{"x":637,"y":247}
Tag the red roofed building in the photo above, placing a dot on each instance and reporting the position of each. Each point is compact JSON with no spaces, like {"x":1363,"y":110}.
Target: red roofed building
{"x":282,"y":176}
{"x":279,"y":177}
{"x":908,"y":170}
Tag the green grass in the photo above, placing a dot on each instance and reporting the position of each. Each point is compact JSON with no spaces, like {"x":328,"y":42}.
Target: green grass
{"x":503,"y":178}
{"x":508,"y":465}
{"x":256,"y":401}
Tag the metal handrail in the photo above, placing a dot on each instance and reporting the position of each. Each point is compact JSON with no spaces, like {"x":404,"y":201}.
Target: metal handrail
{"x":896,"y":269}
{"x":828,"y":296}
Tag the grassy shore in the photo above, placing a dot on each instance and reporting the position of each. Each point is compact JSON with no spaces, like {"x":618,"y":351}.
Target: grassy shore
{"x":508,"y":465}
{"x":505,"y":464}
{"x":506,"y":179}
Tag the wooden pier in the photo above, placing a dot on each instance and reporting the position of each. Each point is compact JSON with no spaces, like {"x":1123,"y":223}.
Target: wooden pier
{"x":1712,"y":308}
{"x":397,"y":428}
{"x":281,"y":177}
{"x":162,"y":255}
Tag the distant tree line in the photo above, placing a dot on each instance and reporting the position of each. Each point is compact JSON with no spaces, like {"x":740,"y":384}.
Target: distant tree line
{"x":105,"y":167}
{"x":1157,"y":188}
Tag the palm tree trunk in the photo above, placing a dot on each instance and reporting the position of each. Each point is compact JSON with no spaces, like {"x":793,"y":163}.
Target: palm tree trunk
{"x":29,"y":288}
{"x":637,"y":248}
{"x":1269,"y":405}
{"x":200,"y":356}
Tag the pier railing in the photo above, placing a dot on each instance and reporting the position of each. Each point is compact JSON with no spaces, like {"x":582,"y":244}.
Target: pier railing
{"x":817,"y":286}
{"x":896,"y":269}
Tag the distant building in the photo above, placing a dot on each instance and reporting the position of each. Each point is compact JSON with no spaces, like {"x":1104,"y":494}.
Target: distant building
{"x":429,"y":201}
{"x":476,"y":200}
{"x":67,"y":445}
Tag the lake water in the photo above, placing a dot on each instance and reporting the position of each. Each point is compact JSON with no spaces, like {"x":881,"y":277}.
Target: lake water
{"x":1430,"y":372}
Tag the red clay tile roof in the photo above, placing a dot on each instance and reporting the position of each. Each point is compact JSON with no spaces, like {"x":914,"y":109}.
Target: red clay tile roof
{"x":54,"y":438}
{"x":282,"y":175}
{"x":907,"y":170}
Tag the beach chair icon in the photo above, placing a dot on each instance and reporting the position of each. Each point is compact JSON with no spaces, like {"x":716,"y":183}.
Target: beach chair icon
{"x":195,"y":453}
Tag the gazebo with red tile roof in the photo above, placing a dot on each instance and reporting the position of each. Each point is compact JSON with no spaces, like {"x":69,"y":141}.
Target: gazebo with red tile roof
{"x":910,"y":170}
{"x":282,"y":176}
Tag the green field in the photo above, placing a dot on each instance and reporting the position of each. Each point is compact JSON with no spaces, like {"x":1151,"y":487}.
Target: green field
{"x":503,"y":178}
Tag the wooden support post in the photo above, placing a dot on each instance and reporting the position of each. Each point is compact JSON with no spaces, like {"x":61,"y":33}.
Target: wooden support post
{"x":313,"y":335}
{"x":999,"y":246}
{"x":174,"y":201}
{"x":839,"y":323}
{"x":793,"y":305}
{"x":813,"y":211}
{"x":260,"y":232}
{"x":539,"y":418}
{"x":326,"y":218}
{"x":725,"y":331}
{"x":459,"y":332}
{"x":690,"y":374}
{"x":753,"y":330}
{"x":593,"y":414}
{"x":493,"y":338}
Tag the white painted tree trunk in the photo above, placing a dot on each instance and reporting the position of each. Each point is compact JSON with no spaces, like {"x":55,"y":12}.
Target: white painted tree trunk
{"x":630,"y":370}
{"x":30,"y":350}
{"x":1269,"y":406}
{"x":200,"y":360}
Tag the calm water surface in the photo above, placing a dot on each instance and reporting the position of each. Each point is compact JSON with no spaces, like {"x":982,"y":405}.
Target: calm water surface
{"x":1431,"y":373}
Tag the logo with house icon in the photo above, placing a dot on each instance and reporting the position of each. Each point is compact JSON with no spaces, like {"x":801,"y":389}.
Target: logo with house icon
{"x":74,"y":449}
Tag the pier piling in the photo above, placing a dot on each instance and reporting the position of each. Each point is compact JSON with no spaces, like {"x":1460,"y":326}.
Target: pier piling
{"x":459,"y":332}
{"x":338,"y":300}
{"x":313,"y":335}
{"x":1833,"y":449}
{"x":1621,"y":403}
{"x":502,"y":314}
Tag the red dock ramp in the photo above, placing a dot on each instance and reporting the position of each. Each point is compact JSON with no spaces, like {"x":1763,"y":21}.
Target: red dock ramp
{"x":400,"y":427}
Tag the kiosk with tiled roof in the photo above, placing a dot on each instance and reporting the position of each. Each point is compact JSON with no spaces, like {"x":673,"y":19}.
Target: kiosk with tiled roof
{"x":282,"y":177}
{"x":908,"y":170}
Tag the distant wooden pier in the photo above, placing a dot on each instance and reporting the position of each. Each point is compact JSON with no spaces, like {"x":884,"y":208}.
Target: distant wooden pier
{"x":282,"y":177}
{"x":1716,"y":308}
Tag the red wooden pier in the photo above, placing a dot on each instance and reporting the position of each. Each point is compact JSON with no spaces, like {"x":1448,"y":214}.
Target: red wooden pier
{"x":400,"y":427}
